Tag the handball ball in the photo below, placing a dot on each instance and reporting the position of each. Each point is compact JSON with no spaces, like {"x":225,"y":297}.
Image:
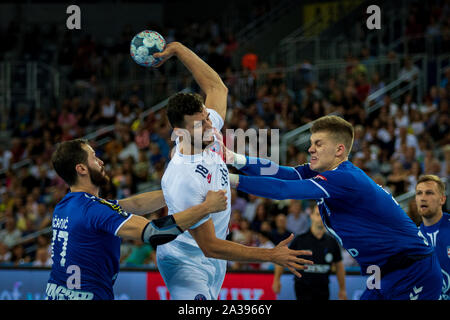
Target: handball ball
{"x":144,"y":45}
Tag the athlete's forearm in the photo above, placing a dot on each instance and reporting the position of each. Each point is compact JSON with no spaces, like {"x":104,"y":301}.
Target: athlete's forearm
{"x":204,"y":75}
{"x":187,"y":218}
{"x":340,"y":275}
{"x":228,"y":250}
{"x":264,"y":167}
{"x":143,"y":203}
{"x":272,"y":188}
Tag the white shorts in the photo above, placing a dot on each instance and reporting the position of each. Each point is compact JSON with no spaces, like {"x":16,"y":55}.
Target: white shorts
{"x":190,"y":277}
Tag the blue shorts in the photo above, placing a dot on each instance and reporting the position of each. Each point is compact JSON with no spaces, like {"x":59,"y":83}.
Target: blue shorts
{"x":420,"y":281}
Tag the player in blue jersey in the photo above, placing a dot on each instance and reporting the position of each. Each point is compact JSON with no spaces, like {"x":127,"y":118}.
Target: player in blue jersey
{"x":430,"y":197}
{"x":87,"y":229}
{"x":366,"y":220}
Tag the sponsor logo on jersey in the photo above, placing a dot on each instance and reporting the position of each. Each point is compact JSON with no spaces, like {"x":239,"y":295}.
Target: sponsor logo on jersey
{"x":55,"y":292}
{"x":117,"y":208}
{"x":321,"y":177}
{"x":200,"y":297}
{"x":448,"y":252}
{"x":318,"y":268}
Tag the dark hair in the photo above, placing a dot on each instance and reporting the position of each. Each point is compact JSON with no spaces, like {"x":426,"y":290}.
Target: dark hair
{"x":66,"y":156}
{"x":183,"y":104}
{"x":341,"y":130}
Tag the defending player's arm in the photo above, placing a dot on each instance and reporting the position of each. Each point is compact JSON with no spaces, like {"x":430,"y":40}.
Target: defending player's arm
{"x":208,"y":79}
{"x":165,"y":229}
{"x":214,"y":247}
{"x":253,"y":166}
{"x":278,"y":189}
{"x":143,"y":203}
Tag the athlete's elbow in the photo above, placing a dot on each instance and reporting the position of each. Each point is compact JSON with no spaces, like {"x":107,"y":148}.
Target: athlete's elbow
{"x":210,"y":251}
{"x":217,"y":87}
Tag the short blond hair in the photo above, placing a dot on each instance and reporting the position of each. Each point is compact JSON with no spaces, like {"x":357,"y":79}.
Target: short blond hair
{"x":341,"y":130}
{"x":433,"y":178}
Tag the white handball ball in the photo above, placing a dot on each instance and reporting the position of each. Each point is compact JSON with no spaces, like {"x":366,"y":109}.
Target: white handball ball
{"x":144,"y":45}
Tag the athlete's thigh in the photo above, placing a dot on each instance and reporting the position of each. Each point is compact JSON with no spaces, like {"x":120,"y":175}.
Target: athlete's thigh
{"x":421,"y":281}
{"x":188,"y":283}
{"x":185,"y":281}
{"x":371,"y":294}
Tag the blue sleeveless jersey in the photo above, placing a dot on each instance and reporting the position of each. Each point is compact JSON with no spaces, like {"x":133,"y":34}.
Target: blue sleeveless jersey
{"x":362,"y":216}
{"x":85,"y":247}
{"x":438,"y":235}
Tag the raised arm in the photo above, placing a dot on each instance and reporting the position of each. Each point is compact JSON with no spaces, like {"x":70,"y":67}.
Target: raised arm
{"x":208,"y":79}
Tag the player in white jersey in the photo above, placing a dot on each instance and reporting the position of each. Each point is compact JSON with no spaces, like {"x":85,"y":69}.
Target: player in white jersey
{"x":193,"y":266}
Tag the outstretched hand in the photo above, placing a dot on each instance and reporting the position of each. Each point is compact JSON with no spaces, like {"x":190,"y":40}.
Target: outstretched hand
{"x":168,"y":52}
{"x":287,"y":258}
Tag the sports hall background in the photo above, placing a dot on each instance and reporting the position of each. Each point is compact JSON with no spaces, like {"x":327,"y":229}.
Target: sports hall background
{"x":285,"y":63}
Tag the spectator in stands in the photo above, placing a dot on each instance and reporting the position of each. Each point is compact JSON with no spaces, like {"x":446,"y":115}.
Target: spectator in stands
{"x":398,"y":179}
{"x":5,"y":254}
{"x":446,"y":80}
{"x":18,"y":255}
{"x":296,"y":219}
{"x":42,"y":259}
{"x":235,"y":220}
{"x":433,"y":36}
{"x":417,"y":123}
{"x":130,"y":148}
{"x":409,"y":72}
{"x":141,"y":254}
{"x":243,"y":235}
{"x":108,"y":111}
{"x":362,"y":86}
{"x":43,"y":217}
{"x":260,"y":216}
{"x":401,"y":119}
{"x":414,"y":30}
{"x":249,"y":60}
{"x":5,"y":158}
{"x":406,"y":138}
{"x":10,"y":235}
{"x":375,"y":85}
{"x":381,"y":181}
{"x":250,"y":208}
{"x":237,"y":203}
{"x":413,"y":175}
{"x":125,"y":116}
{"x":264,"y":242}
{"x":280,"y":232}
{"x":43,"y":241}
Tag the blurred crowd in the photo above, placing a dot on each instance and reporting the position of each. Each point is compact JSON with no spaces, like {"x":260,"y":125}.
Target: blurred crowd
{"x":396,"y":143}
